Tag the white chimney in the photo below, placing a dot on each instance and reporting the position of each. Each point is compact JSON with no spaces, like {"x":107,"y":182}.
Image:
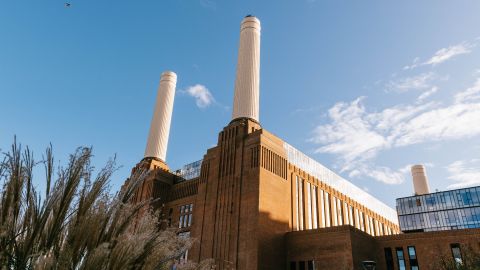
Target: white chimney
{"x":420,"y":180}
{"x":247,"y":83}
{"x":160,"y":126}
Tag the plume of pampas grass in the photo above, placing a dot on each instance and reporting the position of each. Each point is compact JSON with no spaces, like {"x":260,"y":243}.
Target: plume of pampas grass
{"x":78,"y":224}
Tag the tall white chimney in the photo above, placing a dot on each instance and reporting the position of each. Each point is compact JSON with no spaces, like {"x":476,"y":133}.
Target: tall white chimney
{"x":247,"y":83}
{"x":420,"y":180}
{"x":160,"y":126}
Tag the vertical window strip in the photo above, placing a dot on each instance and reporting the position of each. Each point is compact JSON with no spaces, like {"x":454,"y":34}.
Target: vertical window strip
{"x":314,"y":206}
{"x":357,"y":219}
{"x":350,"y":215}
{"x":322,"y":208}
{"x":297,"y":208}
{"x":334,"y":212}
{"x":327,"y":210}
{"x":300,"y":202}
{"x":309,"y":205}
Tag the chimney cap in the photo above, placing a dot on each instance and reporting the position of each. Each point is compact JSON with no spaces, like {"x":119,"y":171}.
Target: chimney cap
{"x":418,"y":166}
{"x":169,"y":76}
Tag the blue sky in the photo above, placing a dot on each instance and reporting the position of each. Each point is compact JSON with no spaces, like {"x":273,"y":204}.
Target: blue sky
{"x":366,"y":88}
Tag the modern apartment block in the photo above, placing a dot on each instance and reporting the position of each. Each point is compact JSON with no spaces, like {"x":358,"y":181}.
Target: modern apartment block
{"x":439,"y":211}
{"x":256,"y":202}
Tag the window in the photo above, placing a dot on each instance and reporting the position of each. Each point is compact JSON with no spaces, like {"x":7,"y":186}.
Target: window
{"x":456,"y":253}
{"x":301,"y":265}
{"x":300,"y":202}
{"x":293,"y":265}
{"x":412,"y":257}
{"x":327,"y":209}
{"x":185,"y":219}
{"x":389,"y":258}
{"x":297,"y":215}
{"x":309,"y":207}
{"x":322,"y":208}
{"x":311,"y":265}
{"x":314,"y":207}
{"x":334,"y":212}
{"x":400,"y":259}
{"x":184,"y":256}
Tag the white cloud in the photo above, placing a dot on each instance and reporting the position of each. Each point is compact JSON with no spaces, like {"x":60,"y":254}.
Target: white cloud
{"x":464,"y":173}
{"x":452,"y":122}
{"x":350,"y":134}
{"x":418,"y":82}
{"x":356,"y":136}
{"x":471,"y":94}
{"x":414,"y":64}
{"x":445,"y":54}
{"x":203,"y":97}
{"x":426,"y":94}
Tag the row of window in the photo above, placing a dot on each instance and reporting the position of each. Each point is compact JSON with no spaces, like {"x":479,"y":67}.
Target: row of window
{"x":459,"y":198}
{"x":441,"y":220}
{"x":185,"y":219}
{"x":316,"y":208}
{"x":412,"y":257}
{"x":302,"y":265}
{"x":190,"y":171}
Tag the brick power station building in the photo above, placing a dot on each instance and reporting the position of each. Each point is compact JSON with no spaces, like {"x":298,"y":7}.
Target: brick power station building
{"x":256,"y":202}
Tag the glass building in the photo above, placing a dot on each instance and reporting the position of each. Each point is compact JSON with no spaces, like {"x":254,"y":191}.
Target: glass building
{"x":446,"y":210}
{"x":190,"y":171}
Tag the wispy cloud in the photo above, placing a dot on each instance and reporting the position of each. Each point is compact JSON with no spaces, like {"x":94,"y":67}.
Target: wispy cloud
{"x":464,"y":173}
{"x":417,"y":82}
{"x":427,"y":94}
{"x":203,"y":97}
{"x":356,"y":135}
{"x":443,"y":55}
{"x":471,"y":94}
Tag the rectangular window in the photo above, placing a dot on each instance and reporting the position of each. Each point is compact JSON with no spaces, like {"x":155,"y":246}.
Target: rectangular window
{"x":310,"y":265}
{"x":400,"y":259}
{"x":327,"y":209}
{"x":339,"y":212}
{"x":412,"y":257}
{"x":301,"y":265}
{"x":389,"y":258}
{"x":180,"y":222}
{"x":357,"y":220}
{"x":456,"y":253}
{"x":185,"y":219}
{"x":297,"y":215}
{"x":297,"y":218}
{"x":293,"y":265}
{"x":334,"y":211}
{"x":362,"y":221}
{"x":372,"y":227}
{"x":309,"y":206}
{"x":322,"y":208}
{"x":184,"y":256}
{"x":300,"y":202}
{"x":314,"y":207}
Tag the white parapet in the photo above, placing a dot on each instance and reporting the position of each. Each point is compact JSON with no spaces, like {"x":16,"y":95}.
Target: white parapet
{"x":160,"y":126}
{"x":247,"y":82}
{"x":420,"y":180}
